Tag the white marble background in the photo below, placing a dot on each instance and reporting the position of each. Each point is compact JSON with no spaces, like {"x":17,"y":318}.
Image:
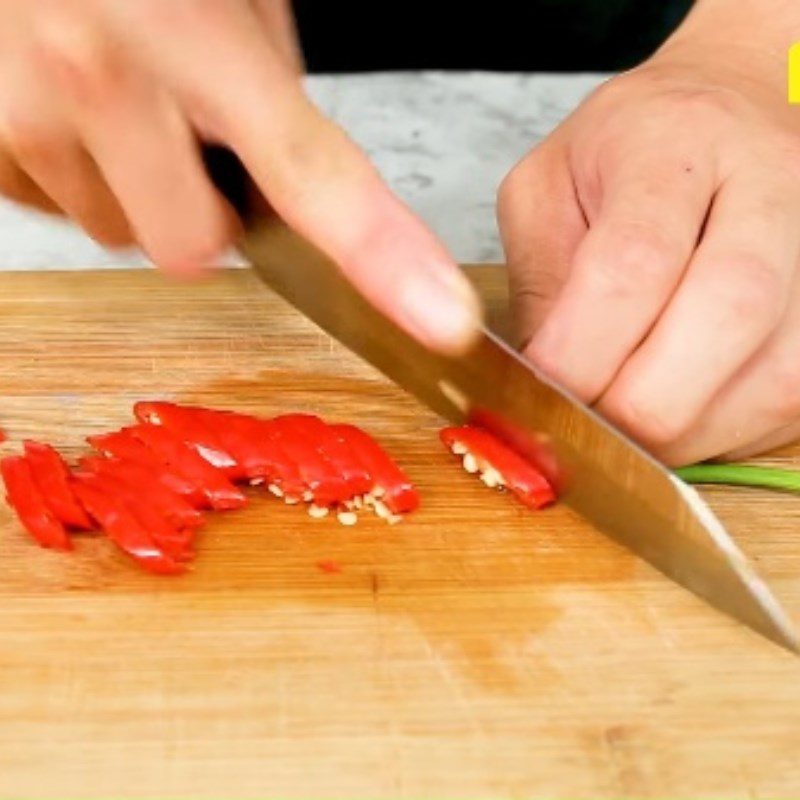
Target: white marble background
{"x":443,"y":141}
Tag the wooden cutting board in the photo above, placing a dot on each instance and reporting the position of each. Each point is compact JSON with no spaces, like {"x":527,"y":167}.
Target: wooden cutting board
{"x":474,"y":650}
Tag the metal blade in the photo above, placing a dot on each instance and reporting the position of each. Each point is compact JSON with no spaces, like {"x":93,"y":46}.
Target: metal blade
{"x":599,"y":472}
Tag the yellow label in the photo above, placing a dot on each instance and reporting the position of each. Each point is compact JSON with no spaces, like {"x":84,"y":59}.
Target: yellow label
{"x":794,"y":73}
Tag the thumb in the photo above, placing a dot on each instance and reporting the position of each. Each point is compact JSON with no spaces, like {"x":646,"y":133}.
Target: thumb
{"x":541,"y":224}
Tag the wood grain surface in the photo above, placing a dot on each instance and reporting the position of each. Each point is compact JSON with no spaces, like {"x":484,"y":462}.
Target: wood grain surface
{"x":474,"y":650}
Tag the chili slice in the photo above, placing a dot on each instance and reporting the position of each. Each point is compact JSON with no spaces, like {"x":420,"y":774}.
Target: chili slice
{"x":175,"y":544}
{"x":52,"y":476}
{"x":188,"y":424}
{"x":498,"y":464}
{"x":181,"y":458}
{"x":25,"y":497}
{"x":389,"y":482}
{"x":122,"y":526}
{"x":173,"y":507}
{"x":343,"y":459}
{"x":252,"y":443}
{"x":295,"y":436}
{"x":124,"y":445}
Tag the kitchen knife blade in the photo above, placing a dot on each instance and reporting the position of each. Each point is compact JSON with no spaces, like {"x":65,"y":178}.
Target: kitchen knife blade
{"x":600,"y":473}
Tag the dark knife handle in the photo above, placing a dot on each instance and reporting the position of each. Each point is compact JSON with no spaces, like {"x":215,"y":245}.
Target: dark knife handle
{"x":232,"y":180}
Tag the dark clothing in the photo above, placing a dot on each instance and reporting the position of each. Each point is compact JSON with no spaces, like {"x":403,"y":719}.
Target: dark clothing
{"x":537,"y":35}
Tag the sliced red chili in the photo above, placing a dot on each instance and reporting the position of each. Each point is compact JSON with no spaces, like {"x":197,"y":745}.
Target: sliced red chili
{"x":253,"y":444}
{"x":188,"y":424}
{"x":124,"y":445}
{"x":181,"y":458}
{"x":122,"y":526}
{"x":52,"y":476}
{"x":25,"y":497}
{"x":295,"y":434}
{"x":356,"y":477}
{"x":483,"y":451}
{"x":395,"y":488}
{"x":178,"y":511}
{"x":175,"y":543}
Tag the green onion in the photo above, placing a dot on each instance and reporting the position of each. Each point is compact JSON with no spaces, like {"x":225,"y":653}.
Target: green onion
{"x":783,"y":480}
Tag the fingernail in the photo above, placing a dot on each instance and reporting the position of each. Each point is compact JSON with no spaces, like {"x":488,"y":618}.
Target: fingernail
{"x":441,"y":309}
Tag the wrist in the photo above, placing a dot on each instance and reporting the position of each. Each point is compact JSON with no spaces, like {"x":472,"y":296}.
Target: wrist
{"x":742,"y":46}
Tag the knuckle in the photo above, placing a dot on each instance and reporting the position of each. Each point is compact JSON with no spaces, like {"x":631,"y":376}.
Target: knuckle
{"x":754,"y":290}
{"x":638,"y":253}
{"x":77,"y":59}
{"x":28,"y":140}
{"x":647,"y":421}
{"x":538,"y":284}
{"x":785,"y":389}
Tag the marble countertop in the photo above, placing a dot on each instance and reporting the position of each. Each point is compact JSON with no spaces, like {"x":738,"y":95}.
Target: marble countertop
{"x":443,"y":142}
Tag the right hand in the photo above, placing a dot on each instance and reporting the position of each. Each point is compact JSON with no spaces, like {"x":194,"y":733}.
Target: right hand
{"x":102,"y":103}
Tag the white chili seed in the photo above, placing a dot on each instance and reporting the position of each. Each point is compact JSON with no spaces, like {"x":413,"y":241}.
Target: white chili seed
{"x":256,"y":481}
{"x":492,"y":478}
{"x":394,"y":519}
{"x":318,"y":512}
{"x":347,"y":517}
{"x":458,"y":448}
{"x":291,"y":501}
{"x":382,"y":510}
{"x":308,"y":496}
{"x":276,"y":490}
{"x":470,"y":463}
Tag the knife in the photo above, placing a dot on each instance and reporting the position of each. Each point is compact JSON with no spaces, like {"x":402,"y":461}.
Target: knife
{"x":598,"y":471}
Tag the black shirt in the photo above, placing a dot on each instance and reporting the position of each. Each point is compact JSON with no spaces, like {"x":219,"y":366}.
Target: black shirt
{"x":539,"y":35}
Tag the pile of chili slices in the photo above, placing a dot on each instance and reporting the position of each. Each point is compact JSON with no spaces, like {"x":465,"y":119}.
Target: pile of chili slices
{"x":148,"y":486}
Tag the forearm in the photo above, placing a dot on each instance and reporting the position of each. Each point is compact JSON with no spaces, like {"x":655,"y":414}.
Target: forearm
{"x":751,"y":37}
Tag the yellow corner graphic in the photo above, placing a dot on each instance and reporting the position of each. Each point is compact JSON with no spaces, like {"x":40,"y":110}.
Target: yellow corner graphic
{"x":794,"y":74}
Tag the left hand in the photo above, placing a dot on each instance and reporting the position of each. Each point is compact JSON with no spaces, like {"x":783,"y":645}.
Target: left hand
{"x":653,"y":242}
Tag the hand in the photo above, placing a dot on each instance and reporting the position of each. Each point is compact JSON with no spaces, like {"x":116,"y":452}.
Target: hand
{"x":653,"y":242}
{"x":101,"y":106}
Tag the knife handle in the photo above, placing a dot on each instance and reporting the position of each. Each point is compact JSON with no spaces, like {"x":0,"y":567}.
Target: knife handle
{"x":232,"y":180}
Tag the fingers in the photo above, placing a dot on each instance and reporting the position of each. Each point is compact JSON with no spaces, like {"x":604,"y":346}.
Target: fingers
{"x":315,"y":177}
{"x":278,"y":20}
{"x":625,"y":270}
{"x":789,"y":434}
{"x":758,"y":409}
{"x":140,"y":142}
{"x":732,"y":299}
{"x":541,"y":224}
{"x":51,"y":156}
{"x":17,"y":186}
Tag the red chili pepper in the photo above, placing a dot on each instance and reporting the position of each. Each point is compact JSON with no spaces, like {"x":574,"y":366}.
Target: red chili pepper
{"x":25,"y":497}
{"x":172,"y":506}
{"x":218,"y":490}
{"x":357,"y":479}
{"x":125,"y":446}
{"x":122,"y":526}
{"x":499,"y":464}
{"x":296,"y":435}
{"x":52,"y":476}
{"x":188,"y":424}
{"x":251,"y":441}
{"x":395,"y":488}
{"x":176,"y":544}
